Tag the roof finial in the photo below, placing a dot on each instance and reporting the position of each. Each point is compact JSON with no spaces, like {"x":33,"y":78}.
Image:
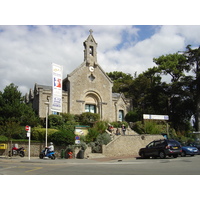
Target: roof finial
{"x":91,"y":31}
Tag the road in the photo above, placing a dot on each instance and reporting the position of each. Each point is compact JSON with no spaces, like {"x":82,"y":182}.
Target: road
{"x":129,"y":166}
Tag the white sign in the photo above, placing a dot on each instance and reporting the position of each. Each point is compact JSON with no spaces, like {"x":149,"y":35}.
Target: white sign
{"x":77,"y":141}
{"x":156,"y":117}
{"x":57,"y":72}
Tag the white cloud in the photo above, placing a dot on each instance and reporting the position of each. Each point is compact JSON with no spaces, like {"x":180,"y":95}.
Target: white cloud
{"x":28,"y":51}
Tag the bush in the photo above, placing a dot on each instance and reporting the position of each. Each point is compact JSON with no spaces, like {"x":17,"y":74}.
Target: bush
{"x":68,"y":117}
{"x":118,"y":124}
{"x":149,"y":127}
{"x":102,"y":139}
{"x":55,"y":121}
{"x":88,"y":118}
{"x":62,"y":137}
{"x":132,"y":116}
{"x":3,"y":138}
{"x":39,"y":134}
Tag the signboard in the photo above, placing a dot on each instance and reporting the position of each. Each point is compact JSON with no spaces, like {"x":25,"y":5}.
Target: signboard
{"x":57,"y":71}
{"x":77,"y":141}
{"x":156,"y":117}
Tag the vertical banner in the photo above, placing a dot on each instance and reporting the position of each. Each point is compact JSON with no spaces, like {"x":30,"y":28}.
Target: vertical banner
{"x":57,"y":72}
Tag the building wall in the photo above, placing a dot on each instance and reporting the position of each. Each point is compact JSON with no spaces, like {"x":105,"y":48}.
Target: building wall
{"x":100,"y":87}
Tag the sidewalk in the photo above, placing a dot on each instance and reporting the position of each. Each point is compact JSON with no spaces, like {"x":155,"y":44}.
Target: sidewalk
{"x":59,"y":160}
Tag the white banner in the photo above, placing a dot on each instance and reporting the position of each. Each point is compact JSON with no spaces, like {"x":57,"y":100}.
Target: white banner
{"x":57,"y":72}
{"x":156,"y":117}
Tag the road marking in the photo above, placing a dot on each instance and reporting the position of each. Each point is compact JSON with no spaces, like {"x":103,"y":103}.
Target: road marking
{"x":35,"y":168}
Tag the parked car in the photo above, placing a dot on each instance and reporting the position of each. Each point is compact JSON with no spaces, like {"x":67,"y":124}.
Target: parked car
{"x":189,"y":150}
{"x":194,"y":144}
{"x":161,"y":148}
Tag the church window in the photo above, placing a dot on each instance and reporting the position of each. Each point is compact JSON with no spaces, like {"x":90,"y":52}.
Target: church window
{"x":91,"y":77}
{"x":91,"y":50}
{"x":90,"y":108}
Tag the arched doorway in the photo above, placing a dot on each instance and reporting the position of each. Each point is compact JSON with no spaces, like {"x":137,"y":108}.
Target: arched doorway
{"x":121,"y":115}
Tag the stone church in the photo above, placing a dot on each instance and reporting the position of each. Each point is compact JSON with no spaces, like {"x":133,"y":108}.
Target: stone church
{"x":86,"y":89}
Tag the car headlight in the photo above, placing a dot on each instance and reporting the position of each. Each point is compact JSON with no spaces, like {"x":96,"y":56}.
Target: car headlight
{"x":190,"y":149}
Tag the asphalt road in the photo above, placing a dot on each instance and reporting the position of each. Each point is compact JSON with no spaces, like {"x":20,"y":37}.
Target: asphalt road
{"x":129,"y":166}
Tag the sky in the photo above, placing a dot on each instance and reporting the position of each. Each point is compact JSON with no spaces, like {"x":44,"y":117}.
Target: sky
{"x":27,"y":51}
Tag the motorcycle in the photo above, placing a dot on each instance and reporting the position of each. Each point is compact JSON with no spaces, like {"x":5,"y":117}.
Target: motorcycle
{"x":49,"y":154}
{"x":17,"y":152}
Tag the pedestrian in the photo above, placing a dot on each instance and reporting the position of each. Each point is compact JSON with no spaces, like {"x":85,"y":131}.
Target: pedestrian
{"x":123,"y":129}
{"x":117,"y":131}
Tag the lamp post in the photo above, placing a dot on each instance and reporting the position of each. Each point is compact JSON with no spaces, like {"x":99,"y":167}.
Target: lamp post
{"x":47,"y":106}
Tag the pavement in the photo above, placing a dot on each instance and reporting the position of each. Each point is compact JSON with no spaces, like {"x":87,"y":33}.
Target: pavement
{"x":73,"y":160}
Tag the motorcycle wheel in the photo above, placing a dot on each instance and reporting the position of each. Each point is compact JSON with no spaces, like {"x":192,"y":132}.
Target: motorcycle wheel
{"x":41,"y":156}
{"x":21,"y":154}
{"x":53,"y":157}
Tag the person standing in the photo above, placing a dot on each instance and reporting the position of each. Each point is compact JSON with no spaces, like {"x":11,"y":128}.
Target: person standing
{"x":123,"y":129}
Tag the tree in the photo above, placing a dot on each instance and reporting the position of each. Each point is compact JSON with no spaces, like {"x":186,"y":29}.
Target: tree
{"x":193,"y":59}
{"x":14,"y":112}
{"x":122,"y":82}
{"x":179,"y":98}
{"x":173,"y":64}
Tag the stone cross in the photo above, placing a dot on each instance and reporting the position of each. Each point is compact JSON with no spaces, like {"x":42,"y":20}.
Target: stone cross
{"x":91,"y":31}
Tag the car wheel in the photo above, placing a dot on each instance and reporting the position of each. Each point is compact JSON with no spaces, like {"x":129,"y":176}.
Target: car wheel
{"x":162,"y":154}
{"x":183,"y":154}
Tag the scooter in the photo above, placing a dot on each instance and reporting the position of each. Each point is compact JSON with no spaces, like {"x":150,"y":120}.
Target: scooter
{"x":17,"y":152}
{"x":46,"y":154}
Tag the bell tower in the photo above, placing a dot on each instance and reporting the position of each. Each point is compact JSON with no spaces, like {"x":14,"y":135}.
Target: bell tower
{"x":90,"y":52}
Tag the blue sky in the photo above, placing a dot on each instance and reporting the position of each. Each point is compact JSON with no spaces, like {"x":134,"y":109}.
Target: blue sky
{"x":28,"y":51}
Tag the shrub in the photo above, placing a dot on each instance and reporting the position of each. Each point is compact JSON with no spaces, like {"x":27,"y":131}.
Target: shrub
{"x":55,"y":121}
{"x":39,"y":134}
{"x":102,"y":139}
{"x":62,"y":137}
{"x":132,"y":116}
{"x":68,"y":117}
{"x":118,"y":124}
{"x":88,"y":118}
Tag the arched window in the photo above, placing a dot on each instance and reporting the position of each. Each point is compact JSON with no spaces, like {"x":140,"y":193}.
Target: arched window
{"x":91,"y":103}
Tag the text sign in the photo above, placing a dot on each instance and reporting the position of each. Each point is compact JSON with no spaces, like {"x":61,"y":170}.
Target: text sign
{"x":156,"y":117}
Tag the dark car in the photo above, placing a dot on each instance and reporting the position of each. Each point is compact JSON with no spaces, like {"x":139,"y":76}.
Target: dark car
{"x":161,"y":148}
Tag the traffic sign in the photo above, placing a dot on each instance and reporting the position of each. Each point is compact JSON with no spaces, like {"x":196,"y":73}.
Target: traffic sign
{"x":27,"y":128}
{"x":77,"y":137}
{"x":77,"y":141}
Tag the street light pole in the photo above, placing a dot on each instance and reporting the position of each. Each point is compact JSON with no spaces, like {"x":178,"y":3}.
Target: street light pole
{"x":47,"y":104}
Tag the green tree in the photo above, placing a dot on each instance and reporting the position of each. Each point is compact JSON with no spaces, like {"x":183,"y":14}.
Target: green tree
{"x":179,"y":100}
{"x":122,"y":82}
{"x":14,"y":112}
{"x":193,"y":59}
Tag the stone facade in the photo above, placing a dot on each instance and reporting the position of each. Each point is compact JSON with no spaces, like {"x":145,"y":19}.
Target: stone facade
{"x":86,"y":89}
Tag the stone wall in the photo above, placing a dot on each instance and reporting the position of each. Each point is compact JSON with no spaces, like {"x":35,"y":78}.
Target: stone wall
{"x":128,"y":144}
{"x":120,"y":146}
